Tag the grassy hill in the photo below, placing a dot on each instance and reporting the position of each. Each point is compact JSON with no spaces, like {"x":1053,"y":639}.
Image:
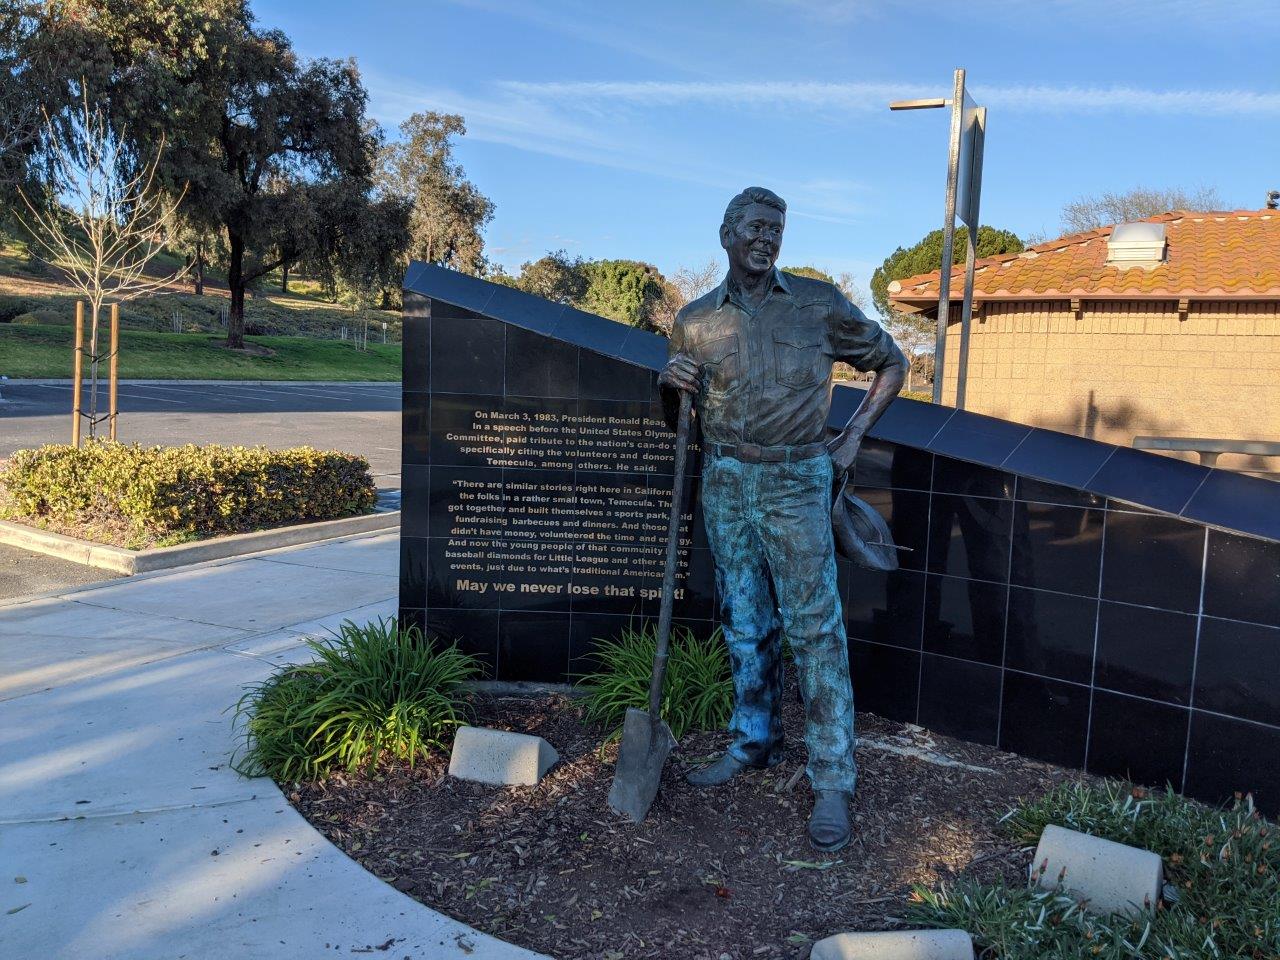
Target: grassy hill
{"x":30,"y":350}
{"x":297,"y":334}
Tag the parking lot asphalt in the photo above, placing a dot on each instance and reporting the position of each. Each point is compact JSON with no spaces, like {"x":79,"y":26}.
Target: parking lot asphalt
{"x":361,"y":418}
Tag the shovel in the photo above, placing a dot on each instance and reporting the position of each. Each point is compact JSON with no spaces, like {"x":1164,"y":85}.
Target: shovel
{"x":646,"y":738}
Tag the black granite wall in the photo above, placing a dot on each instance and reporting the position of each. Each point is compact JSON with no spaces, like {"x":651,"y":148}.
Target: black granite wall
{"x":1085,"y":604}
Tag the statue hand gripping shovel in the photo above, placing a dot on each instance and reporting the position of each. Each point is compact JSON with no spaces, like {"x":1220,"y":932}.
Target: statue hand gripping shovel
{"x":646,"y":738}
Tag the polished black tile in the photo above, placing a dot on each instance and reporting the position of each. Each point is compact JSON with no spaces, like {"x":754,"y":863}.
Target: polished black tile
{"x":695,"y":596}
{"x":415,"y":428}
{"x":540,"y":366}
{"x":1148,"y":479}
{"x":911,"y":422}
{"x":475,"y":632}
{"x":604,"y":378}
{"x":960,"y":699}
{"x":1137,"y":740}
{"x":1242,"y":578}
{"x":468,"y":355}
{"x":979,"y":438}
{"x":644,"y":349}
{"x":884,"y":464}
{"x":456,"y":578}
{"x":970,"y":479}
{"x":463,"y":502}
{"x":409,"y":617}
{"x":413,"y":571}
{"x":1228,"y":757}
{"x":415,"y":493}
{"x":533,"y":647}
{"x":1041,"y":491}
{"x":537,"y":432}
{"x":524,"y":310}
{"x":591,"y":331}
{"x":844,"y":401}
{"x":1146,"y":652}
{"x":1058,"y":457}
{"x":1056,"y":548}
{"x":465,"y":432}
{"x":886,"y":680}
{"x":884,"y":607}
{"x":1044,"y":719}
{"x":965,"y":618}
{"x":1050,"y":634}
{"x":587,"y":632}
{"x":1236,"y":500}
{"x":1238,"y":670}
{"x":441,"y":283}
{"x":415,"y":363}
{"x":906,"y":512}
{"x":970,"y":537}
{"x":1153,"y":560}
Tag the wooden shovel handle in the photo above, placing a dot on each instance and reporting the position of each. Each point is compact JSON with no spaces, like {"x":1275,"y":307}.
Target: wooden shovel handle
{"x":673,"y":551}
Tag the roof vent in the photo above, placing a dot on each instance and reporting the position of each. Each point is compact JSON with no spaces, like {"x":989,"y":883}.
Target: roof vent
{"x":1136,"y":244}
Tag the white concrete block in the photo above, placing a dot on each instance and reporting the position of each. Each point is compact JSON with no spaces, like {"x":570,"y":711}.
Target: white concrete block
{"x":896,"y":945}
{"x":499,"y":757}
{"x":1112,"y":877}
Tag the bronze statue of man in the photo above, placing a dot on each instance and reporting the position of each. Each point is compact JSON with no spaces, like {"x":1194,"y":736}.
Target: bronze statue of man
{"x":757,"y":354}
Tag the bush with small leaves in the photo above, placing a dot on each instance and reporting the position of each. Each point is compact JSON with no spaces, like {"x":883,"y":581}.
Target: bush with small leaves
{"x":167,"y":494}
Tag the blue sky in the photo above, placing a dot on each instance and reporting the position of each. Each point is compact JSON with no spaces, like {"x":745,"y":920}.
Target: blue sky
{"x":620,"y":129}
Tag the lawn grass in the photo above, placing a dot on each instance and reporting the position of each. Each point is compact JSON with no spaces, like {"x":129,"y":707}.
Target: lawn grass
{"x":45,"y":352}
{"x":1222,"y":895}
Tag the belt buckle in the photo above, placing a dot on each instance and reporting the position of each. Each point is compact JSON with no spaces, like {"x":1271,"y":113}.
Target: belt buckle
{"x":749,"y":452}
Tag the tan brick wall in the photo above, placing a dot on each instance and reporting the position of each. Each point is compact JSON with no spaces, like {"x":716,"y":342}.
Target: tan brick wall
{"x":1127,"y":368}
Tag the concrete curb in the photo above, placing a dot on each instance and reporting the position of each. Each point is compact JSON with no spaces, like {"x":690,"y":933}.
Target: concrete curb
{"x":130,"y":562}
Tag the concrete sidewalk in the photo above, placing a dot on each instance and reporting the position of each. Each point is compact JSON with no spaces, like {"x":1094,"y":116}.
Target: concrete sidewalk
{"x":123,"y":833}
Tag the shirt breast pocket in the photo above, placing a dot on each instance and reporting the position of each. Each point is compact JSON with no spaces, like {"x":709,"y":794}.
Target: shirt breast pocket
{"x":720,"y":365}
{"x":799,"y":359}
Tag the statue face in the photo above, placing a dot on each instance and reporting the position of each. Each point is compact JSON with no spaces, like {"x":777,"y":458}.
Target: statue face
{"x":754,"y":241}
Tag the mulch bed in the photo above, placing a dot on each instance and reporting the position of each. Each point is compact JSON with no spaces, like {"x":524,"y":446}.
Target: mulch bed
{"x":711,"y":874}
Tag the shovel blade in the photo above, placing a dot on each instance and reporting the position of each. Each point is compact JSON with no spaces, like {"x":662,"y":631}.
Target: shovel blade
{"x":646,"y":741}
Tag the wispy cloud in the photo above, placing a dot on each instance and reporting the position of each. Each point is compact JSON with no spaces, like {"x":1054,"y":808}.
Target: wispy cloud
{"x":867,"y":97}
{"x":579,"y":132}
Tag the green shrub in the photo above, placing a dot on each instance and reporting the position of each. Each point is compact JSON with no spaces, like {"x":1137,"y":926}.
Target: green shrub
{"x":917,"y":395}
{"x":697,"y":693}
{"x":44,"y":317}
{"x":1221,"y":863}
{"x":373,"y":692}
{"x":158,"y":493}
{"x":11,"y":307}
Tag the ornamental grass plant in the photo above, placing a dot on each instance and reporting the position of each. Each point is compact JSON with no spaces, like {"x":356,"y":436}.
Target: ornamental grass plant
{"x":140,"y":496}
{"x":697,"y":693}
{"x":1222,"y":898}
{"x":373,"y":692}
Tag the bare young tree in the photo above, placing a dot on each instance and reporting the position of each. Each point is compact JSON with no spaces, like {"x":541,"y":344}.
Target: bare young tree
{"x":1104,"y":209}
{"x":102,"y":222}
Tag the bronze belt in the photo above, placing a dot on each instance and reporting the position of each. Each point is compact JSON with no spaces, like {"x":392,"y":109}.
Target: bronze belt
{"x":754,"y":453}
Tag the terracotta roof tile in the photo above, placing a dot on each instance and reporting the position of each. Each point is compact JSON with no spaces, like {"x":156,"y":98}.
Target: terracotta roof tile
{"x":1229,"y":254}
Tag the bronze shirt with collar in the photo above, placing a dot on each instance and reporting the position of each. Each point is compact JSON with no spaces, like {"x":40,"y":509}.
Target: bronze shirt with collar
{"x":766,"y":375}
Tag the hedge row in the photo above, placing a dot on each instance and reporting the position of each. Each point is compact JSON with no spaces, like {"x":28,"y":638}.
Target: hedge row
{"x":170,"y":493}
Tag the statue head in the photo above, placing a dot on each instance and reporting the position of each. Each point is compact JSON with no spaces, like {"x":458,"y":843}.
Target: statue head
{"x":751,"y":232}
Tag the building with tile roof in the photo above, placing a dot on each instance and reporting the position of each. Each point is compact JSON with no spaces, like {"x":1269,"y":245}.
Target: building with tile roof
{"x":1167,"y":327}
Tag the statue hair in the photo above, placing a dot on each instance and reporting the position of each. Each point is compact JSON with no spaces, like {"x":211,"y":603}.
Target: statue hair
{"x":733,"y":213}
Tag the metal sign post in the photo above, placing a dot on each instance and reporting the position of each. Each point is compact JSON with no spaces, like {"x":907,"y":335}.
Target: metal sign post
{"x":964,"y":186}
{"x":975,"y":135}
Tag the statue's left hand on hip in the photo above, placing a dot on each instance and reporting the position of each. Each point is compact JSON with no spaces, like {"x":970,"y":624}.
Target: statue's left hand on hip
{"x":844,"y":450}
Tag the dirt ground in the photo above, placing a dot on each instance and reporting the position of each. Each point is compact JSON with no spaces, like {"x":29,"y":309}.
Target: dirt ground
{"x":711,"y":874}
